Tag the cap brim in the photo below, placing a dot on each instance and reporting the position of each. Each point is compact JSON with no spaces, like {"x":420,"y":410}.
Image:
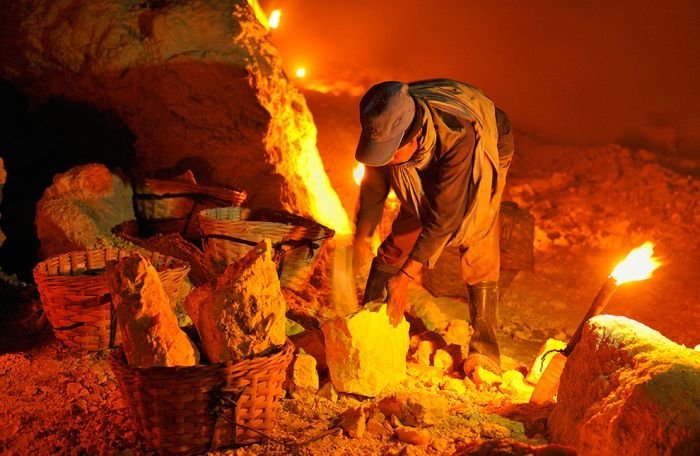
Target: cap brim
{"x":373,"y":153}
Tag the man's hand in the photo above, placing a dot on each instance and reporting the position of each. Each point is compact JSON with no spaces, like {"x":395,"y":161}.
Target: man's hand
{"x":397,"y":289}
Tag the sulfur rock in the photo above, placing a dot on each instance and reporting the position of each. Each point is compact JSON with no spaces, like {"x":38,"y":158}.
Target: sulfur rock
{"x":150,"y":333}
{"x":242,"y":314}
{"x":364,"y":352}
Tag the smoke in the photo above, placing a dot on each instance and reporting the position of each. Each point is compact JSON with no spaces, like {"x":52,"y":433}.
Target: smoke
{"x":583,"y":72}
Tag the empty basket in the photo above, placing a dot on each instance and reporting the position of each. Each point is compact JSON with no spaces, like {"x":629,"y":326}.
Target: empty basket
{"x":169,"y":206}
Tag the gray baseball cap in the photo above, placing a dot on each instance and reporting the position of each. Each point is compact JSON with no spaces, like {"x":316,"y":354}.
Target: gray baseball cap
{"x":386,"y":112}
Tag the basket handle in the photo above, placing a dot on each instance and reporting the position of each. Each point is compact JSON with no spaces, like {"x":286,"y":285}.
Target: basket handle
{"x":225,"y":401}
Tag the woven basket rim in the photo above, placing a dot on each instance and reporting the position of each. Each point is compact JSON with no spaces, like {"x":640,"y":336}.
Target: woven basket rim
{"x":176,"y":264}
{"x":149,"y":181}
{"x":118,"y":356}
{"x":259,"y":214}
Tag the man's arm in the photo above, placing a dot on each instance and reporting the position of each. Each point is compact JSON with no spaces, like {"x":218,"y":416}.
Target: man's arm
{"x":374,"y":190}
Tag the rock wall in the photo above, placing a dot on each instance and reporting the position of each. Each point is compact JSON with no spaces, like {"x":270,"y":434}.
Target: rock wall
{"x":198,"y":83}
{"x":3,"y":177}
{"x":626,"y":389}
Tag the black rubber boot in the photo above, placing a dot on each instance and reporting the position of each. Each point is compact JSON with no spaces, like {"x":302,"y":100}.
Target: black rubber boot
{"x":483,"y":308}
{"x":379,"y":274}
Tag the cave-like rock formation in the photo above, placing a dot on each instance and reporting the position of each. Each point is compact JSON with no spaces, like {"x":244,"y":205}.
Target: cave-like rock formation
{"x":190,"y":84}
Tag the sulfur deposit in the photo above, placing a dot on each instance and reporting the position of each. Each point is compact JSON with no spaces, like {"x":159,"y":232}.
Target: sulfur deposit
{"x":364,"y":352}
{"x":242,"y":314}
{"x":78,"y":211}
{"x":626,"y":389}
{"x":150,"y":332}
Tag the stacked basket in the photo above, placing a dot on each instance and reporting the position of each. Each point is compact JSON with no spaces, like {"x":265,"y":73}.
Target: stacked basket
{"x":190,"y":410}
{"x":228,"y":233}
{"x":75,"y":294}
{"x":169,"y":206}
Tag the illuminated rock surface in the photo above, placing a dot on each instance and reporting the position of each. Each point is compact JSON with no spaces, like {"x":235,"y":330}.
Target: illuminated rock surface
{"x":149,"y":329}
{"x":364,"y":352}
{"x":78,"y":211}
{"x":242,"y":314}
{"x":416,"y":409}
{"x":626,"y":389}
{"x":304,"y":374}
{"x":198,"y":84}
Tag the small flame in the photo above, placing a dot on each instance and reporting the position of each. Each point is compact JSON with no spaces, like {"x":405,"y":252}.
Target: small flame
{"x":274,"y":20}
{"x":300,"y":72}
{"x":638,"y":265}
{"x":358,"y":173}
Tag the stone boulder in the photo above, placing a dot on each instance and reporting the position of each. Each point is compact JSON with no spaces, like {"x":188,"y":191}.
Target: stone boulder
{"x":626,"y":389}
{"x":196,"y":84}
{"x":242,"y":314}
{"x":364,"y":352}
{"x":78,"y":211}
{"x":150,"y":332}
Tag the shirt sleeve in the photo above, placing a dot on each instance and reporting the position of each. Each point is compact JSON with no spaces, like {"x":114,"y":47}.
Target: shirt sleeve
{"x":448,"y":202}
{"x":374,"y":190}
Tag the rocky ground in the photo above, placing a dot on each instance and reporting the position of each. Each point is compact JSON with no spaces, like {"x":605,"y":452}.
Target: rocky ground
{"x":591,"y":205}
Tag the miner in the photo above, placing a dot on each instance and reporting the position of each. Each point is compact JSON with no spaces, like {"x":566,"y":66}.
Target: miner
{"x":445,"y":149}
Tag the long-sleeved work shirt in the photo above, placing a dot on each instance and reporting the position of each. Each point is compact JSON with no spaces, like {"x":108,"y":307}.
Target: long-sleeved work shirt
{"x":446,"y":181}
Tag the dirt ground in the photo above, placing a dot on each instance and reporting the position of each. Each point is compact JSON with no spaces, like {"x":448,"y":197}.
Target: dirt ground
{"x":591,"y":205}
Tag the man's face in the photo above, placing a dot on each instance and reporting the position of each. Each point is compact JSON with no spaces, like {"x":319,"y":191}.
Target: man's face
{"x":405,"y":152}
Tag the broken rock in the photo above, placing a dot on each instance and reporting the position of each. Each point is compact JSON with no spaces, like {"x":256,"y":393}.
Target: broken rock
{"x":538,"y":366}
{"x":412,"y":435}
{"x":364,"y":352}
{"x":626,"y":389}
{"x":78,"y":211}
{"x":243,"y":314}
{"x":304,"y":374}
{"x":148,"y":325}
{"x":354,"y":422}
{"x":328,"y":392}
{"x":415,"y":409}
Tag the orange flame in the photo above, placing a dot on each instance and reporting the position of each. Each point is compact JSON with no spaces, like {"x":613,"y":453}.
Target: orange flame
{"x":274,"y":20}
{"x":638,"y":265}
{"x":358,"y":173}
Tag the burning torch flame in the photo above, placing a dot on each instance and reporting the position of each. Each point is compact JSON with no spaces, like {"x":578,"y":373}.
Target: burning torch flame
{"x":300,"y":72}
{"x":358,"y":173}
{"x":274,"y":20}
{"x":638,"y":265}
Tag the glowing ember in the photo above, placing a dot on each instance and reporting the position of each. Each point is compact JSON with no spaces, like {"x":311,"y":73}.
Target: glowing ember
{"x":358,"y":173}
{"x":274,"y":19}
{"x":638,"y":265}
{"x":300,"y":72}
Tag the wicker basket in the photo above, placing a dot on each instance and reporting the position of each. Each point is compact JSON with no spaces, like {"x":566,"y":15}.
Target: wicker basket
{"x":168,"y":206}
{"x":75,"y":294}
{"x":189,"y":410}
{"x":228,"y":233}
